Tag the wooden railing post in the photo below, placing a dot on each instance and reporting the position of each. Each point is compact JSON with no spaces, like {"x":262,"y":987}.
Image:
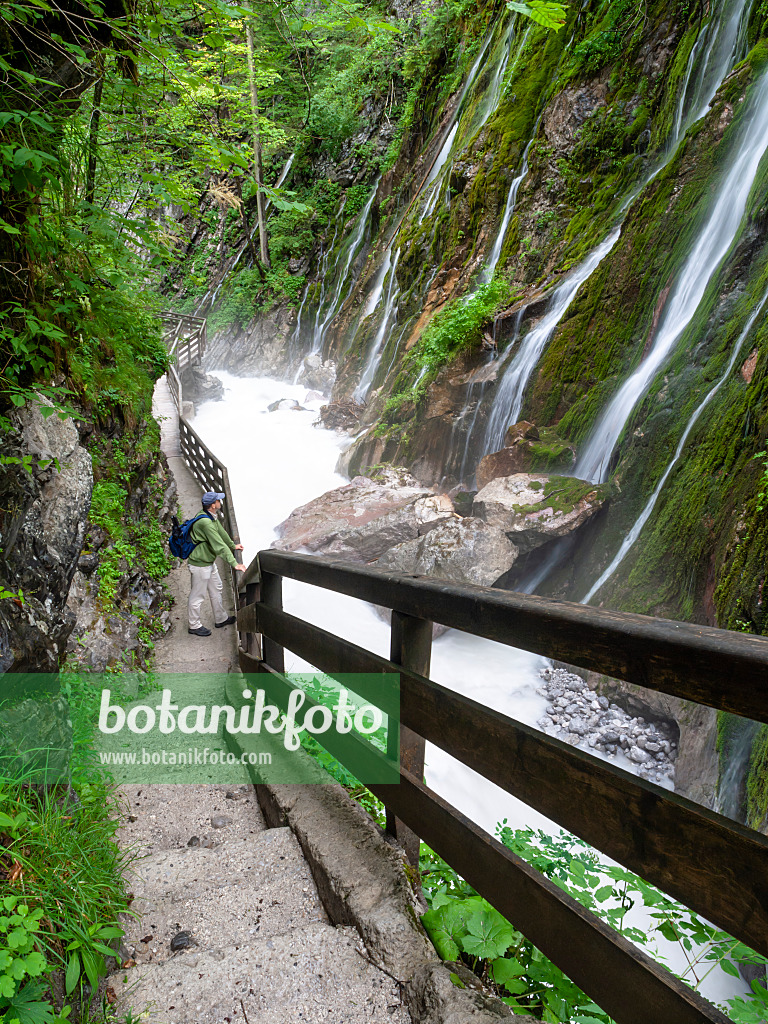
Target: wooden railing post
{"x":410,"y":647}
{"x":272,"y":597}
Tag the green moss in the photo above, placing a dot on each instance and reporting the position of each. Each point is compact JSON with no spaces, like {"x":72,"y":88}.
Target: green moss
{"x":757,"y":781}
{"x":562,"y":493}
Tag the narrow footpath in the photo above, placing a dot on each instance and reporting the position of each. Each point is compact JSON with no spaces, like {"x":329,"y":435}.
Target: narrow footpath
{"x":229,"y":925}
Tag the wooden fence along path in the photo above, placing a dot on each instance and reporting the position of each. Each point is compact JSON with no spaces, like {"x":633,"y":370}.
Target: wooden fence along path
{"x":707,"y":862}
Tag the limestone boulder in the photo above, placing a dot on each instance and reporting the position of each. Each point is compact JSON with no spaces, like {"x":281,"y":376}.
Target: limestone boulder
{"x":461,"y":550}
{"x":343,"y":416}
{"x":199,"y":386}
{"x":317,"y":375}
{"x":526,"y":448}
{"x":533,"y":509}
{"x":361,"y":520}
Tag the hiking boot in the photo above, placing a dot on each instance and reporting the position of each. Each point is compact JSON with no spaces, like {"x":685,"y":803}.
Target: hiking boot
{"x":226,"y":622}
{"x":200,"y":631}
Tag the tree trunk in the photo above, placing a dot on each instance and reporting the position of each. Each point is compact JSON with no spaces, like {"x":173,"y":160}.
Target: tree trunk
{"x":257,"y":148}
{"x":93,"y":140}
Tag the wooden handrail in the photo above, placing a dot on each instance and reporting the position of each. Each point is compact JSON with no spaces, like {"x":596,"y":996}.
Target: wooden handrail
{"x":709,"y":863}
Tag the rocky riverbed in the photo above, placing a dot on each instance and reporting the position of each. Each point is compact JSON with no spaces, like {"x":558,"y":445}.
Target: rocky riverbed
{"x":582,"y":717}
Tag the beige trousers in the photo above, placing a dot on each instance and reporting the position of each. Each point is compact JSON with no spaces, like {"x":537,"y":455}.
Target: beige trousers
{"x":205,"y":580}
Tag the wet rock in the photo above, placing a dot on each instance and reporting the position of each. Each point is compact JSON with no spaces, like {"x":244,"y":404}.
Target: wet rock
{"x":317,"y":375}
{"x":460,"y":550}
{"x":313,"y":396}
{"x":526,"y":448}
{"x":534,"y":509}
{"x":199,"y":386}
{"x":363,"y":519}
{"x":283,"y":404}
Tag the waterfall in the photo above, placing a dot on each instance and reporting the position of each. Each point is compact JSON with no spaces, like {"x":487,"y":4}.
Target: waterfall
{"x":340,"y":278}
{"x":721,"y":41}
{"x":730,"y":786}
{"x":389,"y":317}
{"x":711,"y":246}
{"x":642,"y":519}
{"x":722,"y":36}
{"x":509,"y":208}
{"x":509,"y":396}
{"x":489,"y":105}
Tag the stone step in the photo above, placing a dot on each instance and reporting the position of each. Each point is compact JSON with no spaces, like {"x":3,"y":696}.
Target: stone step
{"x":166,"y":817}
{"x":192,"y":871}
{"x":318,"y":973}
{"x":232,"y":915}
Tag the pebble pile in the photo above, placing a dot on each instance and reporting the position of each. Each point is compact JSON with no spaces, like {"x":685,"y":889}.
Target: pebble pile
{"x":580,"y":716}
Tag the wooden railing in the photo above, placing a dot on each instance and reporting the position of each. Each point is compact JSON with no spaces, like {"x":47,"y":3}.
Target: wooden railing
{"x":711,"y":864}
{"x":185,"y":338}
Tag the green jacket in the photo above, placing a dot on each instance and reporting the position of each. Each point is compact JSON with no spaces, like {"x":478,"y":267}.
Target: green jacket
{"x":211,"y":540}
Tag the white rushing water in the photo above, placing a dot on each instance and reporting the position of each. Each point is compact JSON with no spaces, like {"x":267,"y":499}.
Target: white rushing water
{"x":388,"y":320}
{"x":509,"y":209}
{"x":644,"y":516}
{"x":278,"y":461}
{"x":715,"y":52}
{"x":509,"y":395}
{"x":709,"y":250}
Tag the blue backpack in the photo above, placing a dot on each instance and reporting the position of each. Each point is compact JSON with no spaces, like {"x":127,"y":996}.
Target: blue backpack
{"x":180,"y":543}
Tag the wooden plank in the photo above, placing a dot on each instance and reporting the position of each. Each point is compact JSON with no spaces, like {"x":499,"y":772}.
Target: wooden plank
{"x":709,"y":863}
{"x":620,"y":978}
{"x":272,"y":598}
{"x":410,"y":648}
{"x":723,"y":669}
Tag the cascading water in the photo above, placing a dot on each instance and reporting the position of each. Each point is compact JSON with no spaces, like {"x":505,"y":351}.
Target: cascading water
{"x":644,"y":516}
{"x":721,"y":42}
{"x":389,"y":318}
{"x":711,"y":246}
{"x":509,"y":209}
{"x":342,"y":283}
{"x":509,"y":396}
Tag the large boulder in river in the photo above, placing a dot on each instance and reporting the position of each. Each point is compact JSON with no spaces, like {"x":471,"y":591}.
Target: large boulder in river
{"x":317,"y":375}
{"x":535,"y":508}
{"x":361,"y":520}
{"x":526,"y":448}
{"x":461,"y":550}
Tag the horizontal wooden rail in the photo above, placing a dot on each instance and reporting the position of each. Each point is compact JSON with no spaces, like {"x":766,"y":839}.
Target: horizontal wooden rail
{"x":725,"y":670}
{"x":696,"y":856}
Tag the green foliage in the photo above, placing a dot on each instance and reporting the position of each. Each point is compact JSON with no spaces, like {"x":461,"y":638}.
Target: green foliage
{"x":456,"y":327}
{"x":64,"y":848}
{"x":464,"y":927}
{"x":544,"y":12}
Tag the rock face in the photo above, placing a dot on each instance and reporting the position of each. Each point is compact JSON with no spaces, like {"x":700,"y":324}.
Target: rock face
{"x":526,"y":448}
{"x":461,"y":550}
{"x":317,"y":375}
{"x":360,"y":521}
{"x":534,"y":508}
{"x":43,"y":522}
{"x":201,"y":387}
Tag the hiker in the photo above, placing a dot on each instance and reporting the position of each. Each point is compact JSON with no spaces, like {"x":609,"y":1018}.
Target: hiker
{"x":211,"y":539}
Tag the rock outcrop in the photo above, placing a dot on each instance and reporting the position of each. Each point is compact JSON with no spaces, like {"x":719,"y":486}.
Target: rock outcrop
{"x":526,"y":448}
{"x":43,"y":521}
{"x":461,"y":550}
{"x":361,"y":520}
{"x":533,"y":509}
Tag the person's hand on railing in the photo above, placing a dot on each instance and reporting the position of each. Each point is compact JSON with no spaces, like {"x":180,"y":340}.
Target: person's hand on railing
{"x":238,"y":547}
{"x":240,"y":568}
